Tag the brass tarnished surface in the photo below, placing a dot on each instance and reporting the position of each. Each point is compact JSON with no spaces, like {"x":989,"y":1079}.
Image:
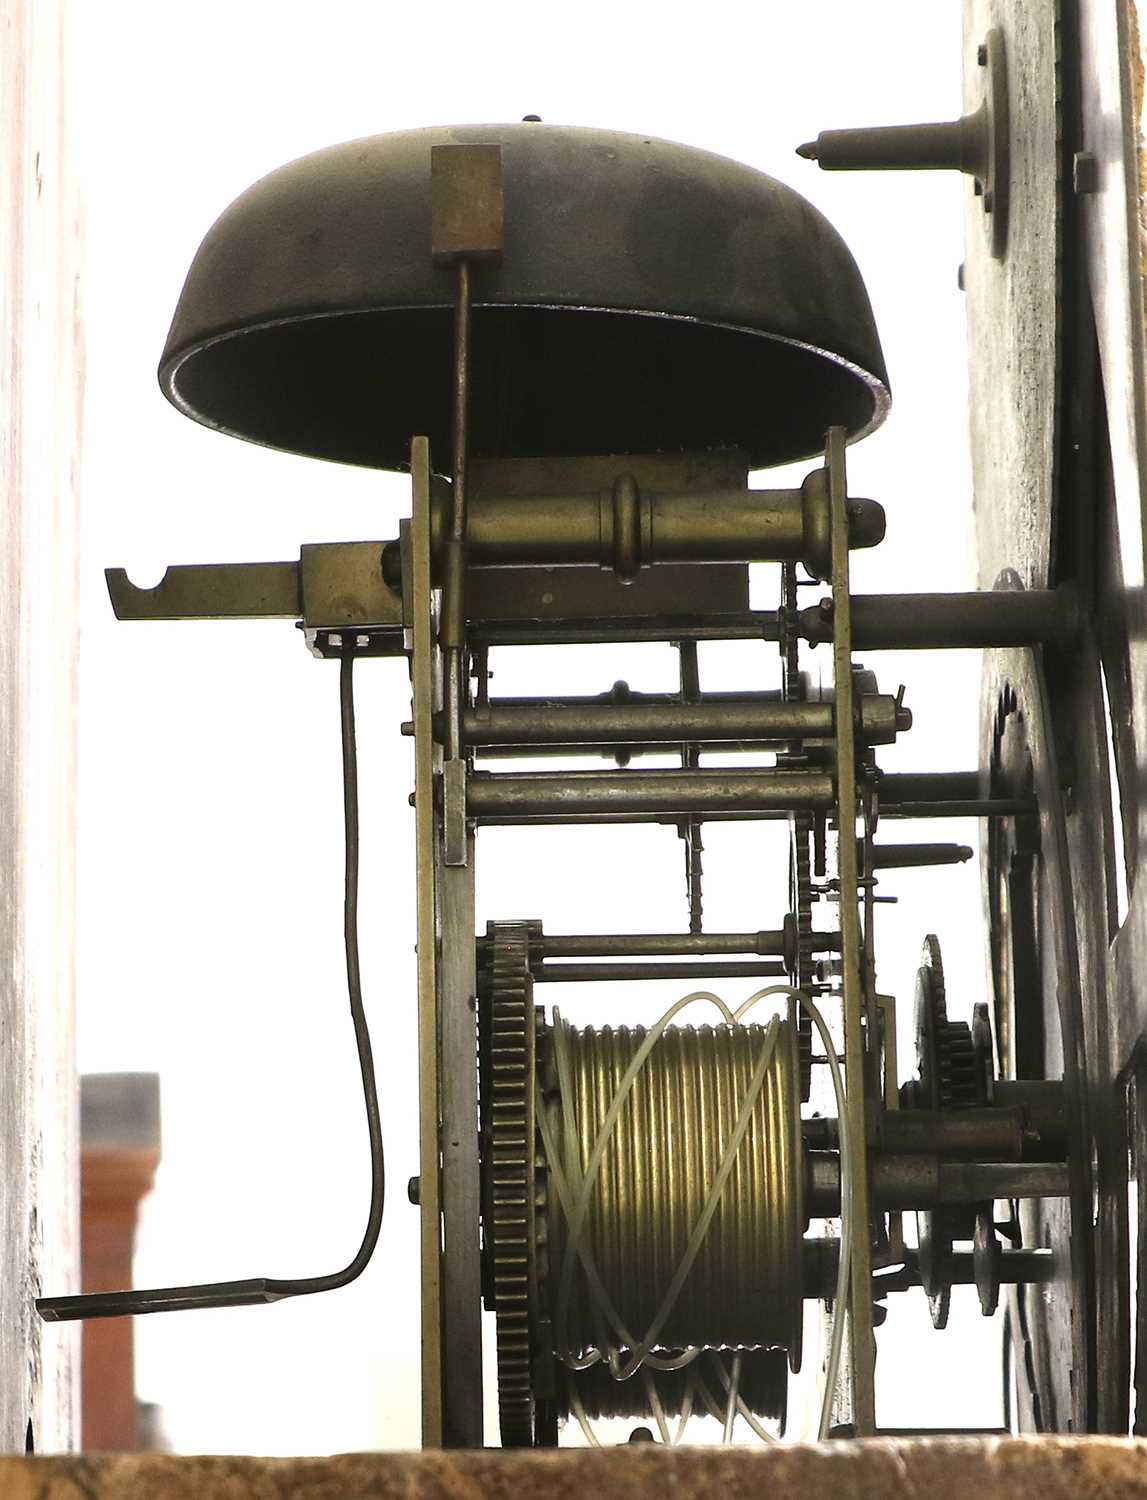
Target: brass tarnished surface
{"x":656,"y":1175}
{"x":627,"y":260}
{"x":990,"y":1469}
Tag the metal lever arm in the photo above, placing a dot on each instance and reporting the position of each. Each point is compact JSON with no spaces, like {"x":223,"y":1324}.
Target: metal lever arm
{"x":264,"y":1288}
{"x":333,"y":585}
{"x":223,"y":591}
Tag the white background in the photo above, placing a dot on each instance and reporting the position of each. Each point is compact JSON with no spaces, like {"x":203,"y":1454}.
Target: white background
{"x":210,"y":839}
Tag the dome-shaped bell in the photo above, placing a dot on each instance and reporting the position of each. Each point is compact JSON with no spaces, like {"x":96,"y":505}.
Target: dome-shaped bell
{"x":650,"y":297}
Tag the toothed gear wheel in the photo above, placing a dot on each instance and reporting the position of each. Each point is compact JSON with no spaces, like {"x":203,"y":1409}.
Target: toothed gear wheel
{"x":800,"y":868}
{"x":789,"y":631}
{"x":945,"y":1053}
{"x":935,"y":1232}
{"x":800,"y":895}
{"x":510,"y":1189}
{"x":947,"y":1069}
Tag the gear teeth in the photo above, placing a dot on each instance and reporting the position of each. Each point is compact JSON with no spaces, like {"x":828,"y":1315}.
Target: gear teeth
{"x":694,"y":874}
{"x":511,"y":1175}
{"x":790,"y":638}
{"x":953,"y":1053}
{"x":802,"y":898}
{"x":801,"y":831}
{"x":947,"y":1067}
{"x":958,"y":1087}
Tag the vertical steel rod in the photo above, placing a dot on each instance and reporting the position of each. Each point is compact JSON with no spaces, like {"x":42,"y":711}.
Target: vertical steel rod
{"x":863,"y":1362}
{"x":454,"y":580}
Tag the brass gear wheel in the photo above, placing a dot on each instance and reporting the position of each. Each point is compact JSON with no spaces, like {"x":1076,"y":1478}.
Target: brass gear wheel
{"x":510,"y":1153}
{"x":947,"y":1079}
{"x":945,"y":1052}
{"x":803,"y":974}
{"x":800,"y":856}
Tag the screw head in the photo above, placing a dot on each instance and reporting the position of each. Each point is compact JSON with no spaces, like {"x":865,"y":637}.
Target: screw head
{"x":414,"y":1191}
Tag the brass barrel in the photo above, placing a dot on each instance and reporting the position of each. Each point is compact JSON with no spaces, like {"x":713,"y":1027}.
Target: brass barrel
{"x":625,"y":528}
{"x":744,"y":1288}
{"x":763,"y":1387}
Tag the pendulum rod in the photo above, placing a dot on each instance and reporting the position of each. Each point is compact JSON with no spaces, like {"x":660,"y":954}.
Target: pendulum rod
{"x":453,"y":627}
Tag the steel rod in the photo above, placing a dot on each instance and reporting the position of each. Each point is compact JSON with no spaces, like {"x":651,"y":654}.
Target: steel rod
{"x":931,"y":786}
{"x":751,"y":625}
{"x":916,"y":622}
{"x":1015,"y":1268}
{"x":626,"y":749}
{"x":948,"y":146}
{"x":543,"y":794}
{"x":945,"y":794}
{"x":983,"y":807}
{"x":546,"y":723}
{"x":603,"y":972}
{"x":917,"y":856}
{"x":761,"y":815}
{"x":771,"y":944}
{"x":900,"y":622}
{"x":927,"y":1180}
{"x":622,"y":693}
{"x":453,"y":627}
{"x":988,"y":1134}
